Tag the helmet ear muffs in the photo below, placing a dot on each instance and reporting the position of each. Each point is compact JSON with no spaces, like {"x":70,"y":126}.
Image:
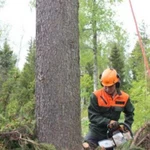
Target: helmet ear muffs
{"x":118,"y":76}
{"x":118,"y":83}
{"x":100,"y":79}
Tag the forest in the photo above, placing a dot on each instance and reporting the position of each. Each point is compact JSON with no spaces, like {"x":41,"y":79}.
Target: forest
{"x":56,"y":83}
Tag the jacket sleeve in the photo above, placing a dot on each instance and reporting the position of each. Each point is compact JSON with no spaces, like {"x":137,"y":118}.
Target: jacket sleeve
{"x":129,"y":113}
{"x":95,"y":116}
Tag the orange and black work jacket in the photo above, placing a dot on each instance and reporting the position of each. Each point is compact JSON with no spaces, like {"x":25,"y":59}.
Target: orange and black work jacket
{"x":104,"y":108}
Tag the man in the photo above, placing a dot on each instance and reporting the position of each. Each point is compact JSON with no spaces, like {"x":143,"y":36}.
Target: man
{"x":106,"y":105}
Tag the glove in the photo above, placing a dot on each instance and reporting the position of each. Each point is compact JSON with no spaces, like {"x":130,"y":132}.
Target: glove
{"x":123,"y":128}
{"x":113,"y":125}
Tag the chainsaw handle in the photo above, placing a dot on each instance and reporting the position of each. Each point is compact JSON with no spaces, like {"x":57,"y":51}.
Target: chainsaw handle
{"x":110,"y":131}
{"x":128,"y":128}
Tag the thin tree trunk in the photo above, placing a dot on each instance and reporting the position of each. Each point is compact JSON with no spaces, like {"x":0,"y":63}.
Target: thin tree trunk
{"x":94,"y":28}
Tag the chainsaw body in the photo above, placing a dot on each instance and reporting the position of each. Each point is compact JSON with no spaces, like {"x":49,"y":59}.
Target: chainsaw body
{"x":117,"y":137}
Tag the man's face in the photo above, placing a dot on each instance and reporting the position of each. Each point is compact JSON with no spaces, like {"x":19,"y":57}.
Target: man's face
{"x":110,"y":89}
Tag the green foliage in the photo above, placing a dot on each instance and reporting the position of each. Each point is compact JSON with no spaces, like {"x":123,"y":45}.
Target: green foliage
{"x":7,"y":76}
{"x":84,"y":126}
{"x":33,"y":3}
{"x":27,"y":78}
{"x":7,"y":62}
{"x":140,"y":97}
{"x":116,"y":61}
{"x":126,"y":146}
{"x":89,"y":13}
{"x":136,"y":148}
{"x":137,"y":63}
{"x":26,"y":86}
{"x":139,"y":90}
{"x":17,"y":141}
{"x":17,"y":95}
{"x":44,"y":146}
{"x":86,"y":88}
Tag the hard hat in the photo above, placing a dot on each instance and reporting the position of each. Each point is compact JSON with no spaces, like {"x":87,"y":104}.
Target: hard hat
{"x":109,"y":77}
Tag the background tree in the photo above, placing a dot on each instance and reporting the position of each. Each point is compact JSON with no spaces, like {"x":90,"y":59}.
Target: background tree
{"x":7,"y":60}
{"x":57,"y":74}
{"x":26,"y":85}
{"x":117,"y":62}
{"x":97,"y":33}
{"x":95,"y":22}
{"x":139,"y":90}
{"x":17,"y":92}
{"x":7,"y":64}
{"x":96,"y":28}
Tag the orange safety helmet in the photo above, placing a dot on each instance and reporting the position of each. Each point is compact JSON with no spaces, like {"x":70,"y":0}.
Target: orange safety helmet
{"x":110,"y":77}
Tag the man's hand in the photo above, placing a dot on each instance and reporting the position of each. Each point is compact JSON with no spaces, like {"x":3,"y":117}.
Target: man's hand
{"x":123,"y":128}
{"x":113,"y":124}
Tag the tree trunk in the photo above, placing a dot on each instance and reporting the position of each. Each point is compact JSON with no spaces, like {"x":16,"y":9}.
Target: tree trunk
{"x":58,"y":74}
{"x":94,"y":29}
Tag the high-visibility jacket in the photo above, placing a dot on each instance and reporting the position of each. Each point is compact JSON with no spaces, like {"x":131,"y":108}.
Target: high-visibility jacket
{"x":104,"y":108}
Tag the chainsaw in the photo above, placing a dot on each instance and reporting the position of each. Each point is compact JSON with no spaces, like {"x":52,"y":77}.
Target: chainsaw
{"x":117,"y":137}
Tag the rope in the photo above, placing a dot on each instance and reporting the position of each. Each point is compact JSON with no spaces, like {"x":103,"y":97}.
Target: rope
{"x":140,"y":41}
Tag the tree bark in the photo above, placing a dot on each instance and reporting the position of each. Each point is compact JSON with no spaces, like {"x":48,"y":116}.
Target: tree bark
{"x":94,"y":29}
{"x":57,"y":74}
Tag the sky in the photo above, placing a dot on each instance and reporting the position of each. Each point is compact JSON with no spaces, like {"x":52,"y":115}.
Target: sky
{"x":20,"y":19}
{"x":141,"y":12}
